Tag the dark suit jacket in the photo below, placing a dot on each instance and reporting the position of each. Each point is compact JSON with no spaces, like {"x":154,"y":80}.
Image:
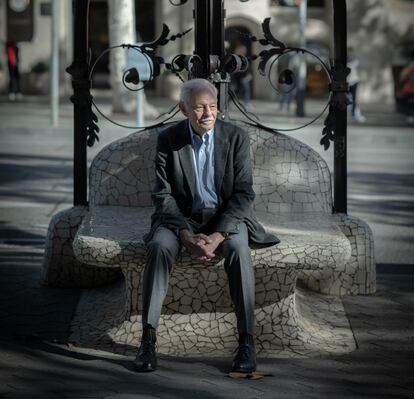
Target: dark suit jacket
{"x":175,"y":181}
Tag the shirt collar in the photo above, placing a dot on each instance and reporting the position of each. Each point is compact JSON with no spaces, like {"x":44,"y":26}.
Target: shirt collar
{"x":194,"y":135}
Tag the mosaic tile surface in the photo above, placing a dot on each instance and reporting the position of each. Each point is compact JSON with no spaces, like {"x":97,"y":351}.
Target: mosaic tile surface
{"x":358,"y":274}
{"x":319,"y":251}
{"x":60,"y":267}
{"x":303,"y":324}
{"x":111,"y":235}
{"x":288,"y":175}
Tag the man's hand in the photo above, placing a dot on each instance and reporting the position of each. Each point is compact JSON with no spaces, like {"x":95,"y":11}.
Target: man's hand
{"x":195,"y":243}
{"x":201,"y":246}
{"x":215,"y":240}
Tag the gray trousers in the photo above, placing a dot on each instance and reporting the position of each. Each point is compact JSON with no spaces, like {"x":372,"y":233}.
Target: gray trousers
{"x":161,"y":254}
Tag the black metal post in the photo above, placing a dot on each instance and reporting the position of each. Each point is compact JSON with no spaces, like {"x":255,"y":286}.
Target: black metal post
{"x":81,"y":86}
{"x":340,"y":142}
{"x":202,"y":9}
{"x":209,"y":45}
{"x":301,"y":90}
{"x":217,"y":50}
{"x":217,"y":16}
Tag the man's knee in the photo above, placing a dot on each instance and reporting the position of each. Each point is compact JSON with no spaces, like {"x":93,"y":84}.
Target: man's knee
{"x":163,"y":242}
{"x":161,"y":247}
{"x":239,"y":248}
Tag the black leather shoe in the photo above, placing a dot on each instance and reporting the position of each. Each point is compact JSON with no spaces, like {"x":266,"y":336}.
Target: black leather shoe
{"x":245,"y":359}
{"x":146,"y":359}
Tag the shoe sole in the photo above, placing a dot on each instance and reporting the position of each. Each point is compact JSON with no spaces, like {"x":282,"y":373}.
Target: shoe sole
{"x":143,"y":369}
{"x":244,"y":371}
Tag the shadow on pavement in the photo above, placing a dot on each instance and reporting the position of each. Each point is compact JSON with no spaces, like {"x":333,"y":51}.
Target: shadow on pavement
{"x":376,"y":195}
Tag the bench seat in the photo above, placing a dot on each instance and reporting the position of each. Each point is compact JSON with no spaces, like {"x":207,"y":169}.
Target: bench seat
{"x":113,"y":235}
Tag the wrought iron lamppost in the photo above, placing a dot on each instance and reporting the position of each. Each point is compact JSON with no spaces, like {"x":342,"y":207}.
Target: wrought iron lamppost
{"x":81,"y":98}
{"x":210,"y":61}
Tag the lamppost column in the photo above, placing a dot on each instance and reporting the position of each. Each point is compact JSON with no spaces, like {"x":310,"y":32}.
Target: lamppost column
{"x":81,"y":99}
{"x":340,"y":141}
{"x":209,"y":46}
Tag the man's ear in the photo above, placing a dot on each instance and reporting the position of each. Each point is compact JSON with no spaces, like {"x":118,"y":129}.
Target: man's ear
{"x":181,"y":105}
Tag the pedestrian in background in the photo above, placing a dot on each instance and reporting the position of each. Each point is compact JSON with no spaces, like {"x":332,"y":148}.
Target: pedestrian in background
{"x":353,"y":81}
{"x":12,"y":52}
{"x":405,"y":94}
{"x":287,"y":81}
{"x":243,"y":79}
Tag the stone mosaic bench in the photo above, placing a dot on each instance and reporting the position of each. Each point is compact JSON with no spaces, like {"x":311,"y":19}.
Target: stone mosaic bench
{"x":326,"y":253}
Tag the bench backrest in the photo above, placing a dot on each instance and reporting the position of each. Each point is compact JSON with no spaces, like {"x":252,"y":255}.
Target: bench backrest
{"x":288,"y":175}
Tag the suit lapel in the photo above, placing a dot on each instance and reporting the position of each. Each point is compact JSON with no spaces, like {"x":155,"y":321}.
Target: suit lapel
{"x":185,"y":154}
{"x":221,"y":148}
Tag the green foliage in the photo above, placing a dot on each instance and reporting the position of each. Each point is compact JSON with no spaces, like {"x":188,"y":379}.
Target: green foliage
{"x":40,"y":67}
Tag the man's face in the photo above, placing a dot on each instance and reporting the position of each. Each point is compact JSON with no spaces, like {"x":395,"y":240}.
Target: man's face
{"x":201,"y":110}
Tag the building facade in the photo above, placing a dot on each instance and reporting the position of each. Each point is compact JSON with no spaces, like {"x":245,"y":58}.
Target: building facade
{"x":381,"y":33}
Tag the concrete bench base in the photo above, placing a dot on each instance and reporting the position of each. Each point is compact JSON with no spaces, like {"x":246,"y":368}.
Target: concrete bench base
{"x":358,"y":275}
{"x":197,"y":316}
{"x":60,"y":268}
{"x":303,"y":324}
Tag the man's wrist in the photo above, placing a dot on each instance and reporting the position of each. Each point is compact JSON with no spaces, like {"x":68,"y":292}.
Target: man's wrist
{"x":223,"y":234}
{"x":183,"y":233}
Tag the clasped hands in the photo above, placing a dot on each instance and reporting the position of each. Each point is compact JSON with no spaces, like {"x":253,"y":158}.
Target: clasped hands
{"x":201,"y":246}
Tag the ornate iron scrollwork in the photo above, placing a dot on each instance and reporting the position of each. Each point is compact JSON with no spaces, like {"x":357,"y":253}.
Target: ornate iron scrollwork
{"x":132,"y":75}
{"x":286,"y":79}
{"x":340,"y":100}
{"x":221,"y":71}
{"x":83,"y":98}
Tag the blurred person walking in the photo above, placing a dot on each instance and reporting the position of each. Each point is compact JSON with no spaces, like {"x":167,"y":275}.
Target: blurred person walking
{"x":243,"y":79}
{"x":353,"y":81}
{"x":12,"y":52}
{"x":287,"y":81}
{"x":405,"y":95}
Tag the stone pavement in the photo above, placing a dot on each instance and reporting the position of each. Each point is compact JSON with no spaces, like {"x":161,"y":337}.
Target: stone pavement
{"x":37,"y":361}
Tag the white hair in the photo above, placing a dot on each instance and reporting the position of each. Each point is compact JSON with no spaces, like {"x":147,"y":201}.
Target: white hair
{"x":196,"y":86}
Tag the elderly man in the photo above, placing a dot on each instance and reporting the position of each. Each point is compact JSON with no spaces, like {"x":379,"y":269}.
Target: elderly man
{"x":203,"y":198}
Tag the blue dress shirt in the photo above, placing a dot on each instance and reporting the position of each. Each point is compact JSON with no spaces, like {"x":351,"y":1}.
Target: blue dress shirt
{"x":203,"y":157}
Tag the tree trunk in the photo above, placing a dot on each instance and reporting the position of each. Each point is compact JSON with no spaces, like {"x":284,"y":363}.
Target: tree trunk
{"x":121,"y":30}
{"x":370,"y":35}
